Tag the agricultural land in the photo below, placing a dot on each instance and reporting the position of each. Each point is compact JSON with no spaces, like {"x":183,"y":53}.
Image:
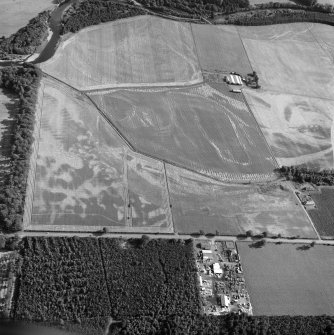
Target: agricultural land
{"x":137,"y":51}
{"x":217,"y":208}
{"x":200,"y":128}
{"x":323,"y":215}
{"x":290,"y":279}
{"x":85,"y":174}
{"x":16,"y":14}
{"x":148,"y":117}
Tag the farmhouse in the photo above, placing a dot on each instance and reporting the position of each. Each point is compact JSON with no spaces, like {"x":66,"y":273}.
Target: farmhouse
{"x":234,"y":79}
{"x":224,"y":300}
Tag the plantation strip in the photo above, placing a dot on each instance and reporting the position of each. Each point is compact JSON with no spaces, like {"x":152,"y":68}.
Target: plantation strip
{"x":24,"y":82}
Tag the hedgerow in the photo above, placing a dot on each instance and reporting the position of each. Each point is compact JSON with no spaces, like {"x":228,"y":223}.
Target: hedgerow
{"x":23,"y":81}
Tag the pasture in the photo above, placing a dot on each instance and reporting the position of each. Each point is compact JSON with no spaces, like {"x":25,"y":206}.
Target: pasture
{"x":220,"y":49}
{"x":298,"y":128}
{"x":289,"y":279}
{"x":144,"y":50}
{"x":199,"y":128}
{"x":86,"y":176}
{"x":323,"y":215}
{"x":199,"y":204}
{"x":16,"y":14}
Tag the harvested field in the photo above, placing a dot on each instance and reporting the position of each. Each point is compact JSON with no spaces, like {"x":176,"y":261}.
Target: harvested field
{"x":16,"y":14}
{"x":323,"y":34}
{"x":298,"y":128}
{"x":200,"y":204}
{"x":86,"y":176}
{"x":292,"y":67}
{"x":144,"y":50}
{"x":288,"y":279}
{"x":323,"y":216}
{"x":220,"y":49}
{"x":200,"y":128}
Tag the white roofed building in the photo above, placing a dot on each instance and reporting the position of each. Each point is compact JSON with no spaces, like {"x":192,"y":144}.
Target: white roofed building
{"x":234,"y":79}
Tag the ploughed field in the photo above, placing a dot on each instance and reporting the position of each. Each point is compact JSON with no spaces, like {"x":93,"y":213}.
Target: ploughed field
{"x":87,"y":177}
{"x":200,"y":128}
{"x":218,"y":208}
{"x":289,"y":279}
{"x":323,"y":215}
{"x":144,"y":50}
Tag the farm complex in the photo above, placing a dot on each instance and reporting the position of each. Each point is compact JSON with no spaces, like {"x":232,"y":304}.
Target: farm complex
{"x":164,"y":173}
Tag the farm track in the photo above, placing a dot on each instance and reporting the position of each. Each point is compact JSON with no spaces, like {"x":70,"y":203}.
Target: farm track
{"x":229,"y":179}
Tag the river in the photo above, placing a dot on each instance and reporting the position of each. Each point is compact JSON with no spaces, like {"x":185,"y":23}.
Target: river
{"x":55,"y":25}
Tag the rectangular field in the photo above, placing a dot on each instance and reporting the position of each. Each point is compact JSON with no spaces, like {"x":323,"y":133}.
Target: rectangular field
{"x":86,"y":176}
{"x":199,"y":204}
{"x":292,"y":67}
{"x":288,"y":279}
{"x":200,"y":128}
{"x":144,"y":50}
{"x":299,"y":129}
{"x":220,"y":49}
{"x":323,"y":216}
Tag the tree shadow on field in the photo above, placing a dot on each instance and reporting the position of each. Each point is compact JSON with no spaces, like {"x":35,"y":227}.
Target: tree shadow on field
{"x":304,"y":247}
{"x":258,"y":244}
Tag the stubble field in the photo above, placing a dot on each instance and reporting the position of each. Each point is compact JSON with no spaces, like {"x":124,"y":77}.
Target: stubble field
{"x":199,"y":128}
{"x":288,"y":279}
{"x":200,"y":204}
{"x":299,"y":129}
{"x":144,"y":50}
{"x":294,"y":106}
{"x":86,"y":176}
{"x":323,"y":215}
{"x":220,"y":49}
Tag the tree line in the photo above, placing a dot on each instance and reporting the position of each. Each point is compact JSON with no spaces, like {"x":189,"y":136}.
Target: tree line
{"x":27,"y":39}
{"x":230,"y":324}
{"x":302,"y":174}
{"x":91,"y":12}
{"x":23,"y":81}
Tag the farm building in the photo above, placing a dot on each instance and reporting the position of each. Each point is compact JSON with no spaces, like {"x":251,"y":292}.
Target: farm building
{"x":234,"y":79}
{"x":207,"y":254}
{"x":217,"y":269}
{"x":224,"y":300}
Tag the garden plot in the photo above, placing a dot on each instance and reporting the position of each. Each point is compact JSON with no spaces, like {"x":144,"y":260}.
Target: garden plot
{"x":220,"y":49}
{"x":138,"y":51}
{"x":86,"y":176}
{"x":299,"y":129}
{"x":199,"y":204}
{"x":289,"y":279}
{"x":199,"y":128}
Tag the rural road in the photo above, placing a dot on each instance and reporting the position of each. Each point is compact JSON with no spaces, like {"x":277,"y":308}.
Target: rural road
{"x":174,"y":236}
